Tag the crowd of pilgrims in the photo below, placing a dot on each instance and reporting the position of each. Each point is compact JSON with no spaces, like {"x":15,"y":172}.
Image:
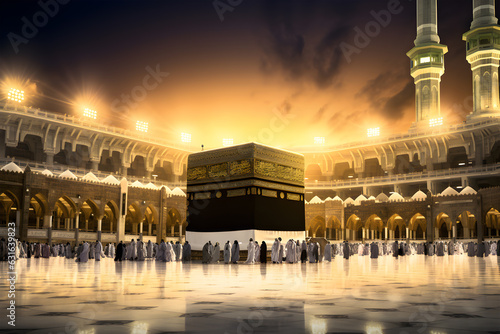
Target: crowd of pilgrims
{"x":290,"y":252}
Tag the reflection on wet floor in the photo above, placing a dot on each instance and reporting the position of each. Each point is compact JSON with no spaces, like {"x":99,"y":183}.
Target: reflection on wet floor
{"x":413,"y":294}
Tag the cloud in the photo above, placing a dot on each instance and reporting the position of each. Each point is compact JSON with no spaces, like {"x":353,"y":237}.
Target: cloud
{"x":328,"y":57}
{"x":301,"y":49}
{"x":385,"y":95}
{"x":318,"y":116}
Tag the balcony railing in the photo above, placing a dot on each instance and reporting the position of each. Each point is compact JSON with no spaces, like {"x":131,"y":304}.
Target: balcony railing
{"x":80,"y":172}
{"x":91,"y":125}
{"x":401,"y":178}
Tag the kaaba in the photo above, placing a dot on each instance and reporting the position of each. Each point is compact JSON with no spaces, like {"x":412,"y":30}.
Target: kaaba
{"x":242,"y":192}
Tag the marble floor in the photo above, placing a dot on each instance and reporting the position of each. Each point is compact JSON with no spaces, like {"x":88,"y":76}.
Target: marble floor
{"x":413,"y":294}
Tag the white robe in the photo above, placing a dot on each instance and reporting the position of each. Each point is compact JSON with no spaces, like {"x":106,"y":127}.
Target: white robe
{"x":168,"y":252}
{"x":251,"y":253}
{"x":111,"y":250}
{"x":275,"y":251}
{"x":257,"y":253}
{"x":133,"y":251}
{"x":281,"y":253}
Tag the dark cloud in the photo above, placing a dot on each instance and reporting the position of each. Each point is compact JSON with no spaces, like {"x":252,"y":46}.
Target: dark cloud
{"x":328,"y":57}
{"x":396,"y":105}
{"x":385,"y":95}
{"x":318,"y":116}
{"x":301,"y":51}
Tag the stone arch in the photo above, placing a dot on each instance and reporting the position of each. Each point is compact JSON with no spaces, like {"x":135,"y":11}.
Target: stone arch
{"x":110,"y":217}
{"x":396,"y":226}
{"x":492,"y":223}
{"x":334,"y":228}
{"x":317,"y":227}
{"x":174,"y":219}
{"x":418,"y":226}
{"x":354,"y":228}
{"x":442,"y":226}
{"x":89,"y":215}
{"x":314,"y":172}
{"x":150,"y":220}
{"x":9,"y":204}
{"x":133,"y":218}
{"x":63,"y":211}
{"x":374,"y":227}
{"x":39,"y":208}
{"x":466,"y":222}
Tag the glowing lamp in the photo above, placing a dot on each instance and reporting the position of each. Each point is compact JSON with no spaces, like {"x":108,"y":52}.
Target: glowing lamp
{"x":87,"y":112}
{"x":16,"y":95}
{"x":435,"y":122}
{"x":373,"y":132}
{"x":185,"y":137}
{"x":141,"y":126}
{"x":319,"y":140}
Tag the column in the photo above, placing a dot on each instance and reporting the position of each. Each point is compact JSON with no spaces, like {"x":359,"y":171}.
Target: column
{"x":49,"y":232}
{"x":449,"y":234}
{"x":149,"y":229}
{"x":77,"y":229}
{"x":94,"y":164}
{"x":362,"y":229}
{"x":37,"y":222}
{"x":407,"y":233}
{"x":86,"y":224}
{"x":49,"y":159}
{"x":99,"y":229}
{"x":172,"y":230}
{"x":436,"y":233}
{"x":140,"y":229}
{"x":58,"y":222}
{"x":424,"y":236}
{"x":67,"y":222}
{"x":454,"y":228}
{"x":180,"y":231}
{"x":385,"y":232}
{"x":18,"y":222}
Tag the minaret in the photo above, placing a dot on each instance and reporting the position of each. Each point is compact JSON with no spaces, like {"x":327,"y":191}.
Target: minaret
{"x":427,"y":64}
{"x":483,"y":53}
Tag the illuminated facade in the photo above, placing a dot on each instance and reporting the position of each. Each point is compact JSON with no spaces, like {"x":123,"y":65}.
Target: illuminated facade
{"x":435,"y":181}
{"x":427,"y":64}
{"x":483,"y":53}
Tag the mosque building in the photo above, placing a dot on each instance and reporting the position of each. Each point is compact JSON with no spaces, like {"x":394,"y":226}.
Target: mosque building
{"x":65,"y":178}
